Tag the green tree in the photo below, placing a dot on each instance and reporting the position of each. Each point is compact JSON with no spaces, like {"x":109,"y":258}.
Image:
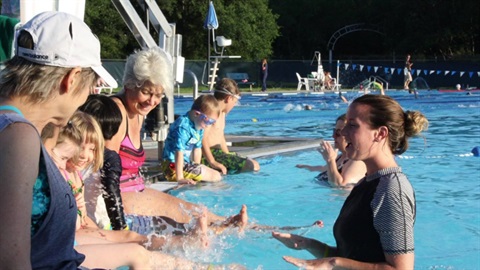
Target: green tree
{"x":115,"y":38}
{"x":250,"y":24}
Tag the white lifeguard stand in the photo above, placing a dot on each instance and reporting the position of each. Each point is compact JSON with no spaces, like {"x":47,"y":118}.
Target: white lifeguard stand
{"x":219,"y":45}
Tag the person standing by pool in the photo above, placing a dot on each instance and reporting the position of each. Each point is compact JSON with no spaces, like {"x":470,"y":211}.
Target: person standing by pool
{"x":55,"y":67}
{"x":148,"y":75}
{"x":214,"y":144}
{"x":375,"y":225}
{"x":340,"y":171}
{"x":407,"y":71}
{"x":264,"y":73}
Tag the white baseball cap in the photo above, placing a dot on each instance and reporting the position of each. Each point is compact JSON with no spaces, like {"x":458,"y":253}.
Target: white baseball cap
{"x":62,"y":40}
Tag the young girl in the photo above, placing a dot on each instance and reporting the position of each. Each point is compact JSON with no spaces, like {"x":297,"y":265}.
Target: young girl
{"x":79,"y":146}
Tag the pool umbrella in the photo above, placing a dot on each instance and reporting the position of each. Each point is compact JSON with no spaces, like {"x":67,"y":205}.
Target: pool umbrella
{"x":211,"y":23}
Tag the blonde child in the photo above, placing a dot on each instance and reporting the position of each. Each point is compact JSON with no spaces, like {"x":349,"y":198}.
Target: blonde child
{"x":79,"y":146}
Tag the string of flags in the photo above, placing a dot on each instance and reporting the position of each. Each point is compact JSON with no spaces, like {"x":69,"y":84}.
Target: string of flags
{"x":399,"y":71}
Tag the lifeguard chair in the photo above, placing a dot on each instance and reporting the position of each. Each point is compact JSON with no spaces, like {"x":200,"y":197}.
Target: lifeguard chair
{"x":219,"y":45}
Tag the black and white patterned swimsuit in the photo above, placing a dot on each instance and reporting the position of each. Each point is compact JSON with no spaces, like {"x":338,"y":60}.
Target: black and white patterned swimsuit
{"x":323,"y":176}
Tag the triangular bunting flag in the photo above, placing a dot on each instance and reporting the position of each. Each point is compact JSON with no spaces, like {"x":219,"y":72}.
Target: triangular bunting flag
{"x":361,"y":67}
{"x":453,"y":72}
{"x":392,"y":70}
{"x":470,"y":74}
{"x":431,"y":72}
{"x":354,"y":66}
{"x":461,"y":73}
{"x":447,"y":71}
{"x":346,"y":66}
{"x":368,"y":68}
{"x":419,"y":71}
{"x":375,"y":68}
{"x":478,"y":73}
{"x":425,"y":72}
{"x":385,"y":70}
{"x":439,"y":72}
{"x":399,"y":70}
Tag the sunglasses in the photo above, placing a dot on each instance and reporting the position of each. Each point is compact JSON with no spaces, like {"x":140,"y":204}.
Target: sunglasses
{"x":203,"y":117}
{"x":337,"y":132}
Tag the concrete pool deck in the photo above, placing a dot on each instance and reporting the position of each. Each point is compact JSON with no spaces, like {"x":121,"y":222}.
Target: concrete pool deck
{"x":249,"y":146}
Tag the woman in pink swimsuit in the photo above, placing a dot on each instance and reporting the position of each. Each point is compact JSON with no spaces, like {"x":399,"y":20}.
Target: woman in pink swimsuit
{"x":148,"y":74}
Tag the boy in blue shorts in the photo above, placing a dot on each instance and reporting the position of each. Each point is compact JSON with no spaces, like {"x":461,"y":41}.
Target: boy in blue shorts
{"x":182,"y":153}
{"x":215,"y":149}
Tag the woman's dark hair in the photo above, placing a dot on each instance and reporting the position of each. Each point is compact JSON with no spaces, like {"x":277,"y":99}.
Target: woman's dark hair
{"x":106,"y":112}
{"x":385,"y":111}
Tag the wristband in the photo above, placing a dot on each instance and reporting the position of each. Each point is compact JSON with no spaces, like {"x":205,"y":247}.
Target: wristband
{"x":325,"y":252}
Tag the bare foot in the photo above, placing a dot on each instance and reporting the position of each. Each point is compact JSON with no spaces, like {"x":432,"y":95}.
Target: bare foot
{"x":240,"y":220}
{"x":202,"y":228}
{"x":318,"y":223}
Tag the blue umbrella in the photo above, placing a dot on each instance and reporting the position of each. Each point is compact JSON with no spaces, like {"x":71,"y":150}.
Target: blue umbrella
{"x":211,"y":22}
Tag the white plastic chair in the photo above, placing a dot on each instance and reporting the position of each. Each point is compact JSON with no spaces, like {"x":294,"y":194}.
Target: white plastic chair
{"x":301,"y":82}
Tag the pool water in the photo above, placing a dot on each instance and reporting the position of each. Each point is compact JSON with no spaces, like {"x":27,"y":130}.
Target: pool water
{"x":443,"y":172}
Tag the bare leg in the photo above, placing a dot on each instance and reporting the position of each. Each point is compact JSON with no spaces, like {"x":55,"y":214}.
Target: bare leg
{"x":251,"y":165}
{"x":110,"y":256}
{"x":110,"y":235}
{"x":151,"y":202}
{"x":197,"y":237}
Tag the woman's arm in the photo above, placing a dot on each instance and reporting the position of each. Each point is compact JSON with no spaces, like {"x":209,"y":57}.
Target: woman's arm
{"x":315,"y":247}
{"x":110,"y":179}
{"x":311,"y":168}
{"x":330,"y":156}
{"x":19,"y":162}
{"x":353,"y":171}
{"x":399,"y":262}
{"x":114,"y":143}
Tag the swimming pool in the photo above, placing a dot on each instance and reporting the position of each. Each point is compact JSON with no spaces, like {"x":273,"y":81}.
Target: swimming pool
{"x":440,"y":167}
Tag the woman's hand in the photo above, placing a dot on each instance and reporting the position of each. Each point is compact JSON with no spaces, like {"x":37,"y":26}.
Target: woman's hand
{"x":292,"y":241}
{"x":310,"y":264}
{"x":327,"y":151}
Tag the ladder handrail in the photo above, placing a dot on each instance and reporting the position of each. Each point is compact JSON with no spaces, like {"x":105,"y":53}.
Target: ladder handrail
{"x":375,"y":78}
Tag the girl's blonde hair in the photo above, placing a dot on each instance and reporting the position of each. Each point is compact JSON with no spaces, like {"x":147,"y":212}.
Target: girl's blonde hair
{"x":90,"y":132}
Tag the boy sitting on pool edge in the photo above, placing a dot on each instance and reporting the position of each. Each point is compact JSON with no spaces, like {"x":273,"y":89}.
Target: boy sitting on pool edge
{"x":215,"y":150}
{"x":182,"y":153}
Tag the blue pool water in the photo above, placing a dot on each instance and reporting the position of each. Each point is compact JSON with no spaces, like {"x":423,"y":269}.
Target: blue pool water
{"x":446,"y":178}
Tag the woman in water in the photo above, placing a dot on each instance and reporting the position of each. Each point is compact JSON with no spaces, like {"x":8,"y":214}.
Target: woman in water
{"x":340,"y":171}
{"x":374,"y":229}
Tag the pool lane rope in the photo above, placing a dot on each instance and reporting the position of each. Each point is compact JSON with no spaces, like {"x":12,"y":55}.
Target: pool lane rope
{"x":474,"y":153}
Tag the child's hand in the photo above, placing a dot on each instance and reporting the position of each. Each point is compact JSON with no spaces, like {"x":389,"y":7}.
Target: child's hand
{"x":187,"y":182}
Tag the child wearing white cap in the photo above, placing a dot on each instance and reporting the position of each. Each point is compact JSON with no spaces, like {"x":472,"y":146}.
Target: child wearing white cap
{"x":57,"y":63}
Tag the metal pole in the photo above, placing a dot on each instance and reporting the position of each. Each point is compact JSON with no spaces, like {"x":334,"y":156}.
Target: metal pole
{"x":208,"y":60}
{"x":338,"y":74}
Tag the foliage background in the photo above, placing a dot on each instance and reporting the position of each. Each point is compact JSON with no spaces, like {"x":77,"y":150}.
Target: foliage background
{"x":294,"y":29}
